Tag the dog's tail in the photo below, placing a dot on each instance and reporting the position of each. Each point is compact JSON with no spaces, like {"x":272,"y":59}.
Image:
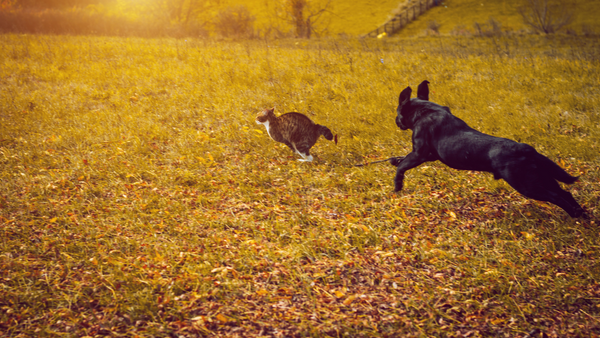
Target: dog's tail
{"x":325,"y":132}
{"x":555,"y":170}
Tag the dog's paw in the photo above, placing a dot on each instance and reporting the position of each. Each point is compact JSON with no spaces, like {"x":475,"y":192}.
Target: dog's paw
{"x":398,"y":187}
{"x":395,"y":161}
{"x":584,"y":215}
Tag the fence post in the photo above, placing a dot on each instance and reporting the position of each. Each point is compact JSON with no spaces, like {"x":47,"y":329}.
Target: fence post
{"x":403,"y":18}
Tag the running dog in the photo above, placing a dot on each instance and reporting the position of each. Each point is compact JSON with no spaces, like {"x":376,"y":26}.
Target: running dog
{"x":440,"y":136}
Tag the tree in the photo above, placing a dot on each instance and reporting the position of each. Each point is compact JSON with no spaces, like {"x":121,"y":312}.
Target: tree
{"x":177,"y":11}
{"x":7,"y":5}
{"x":235,"y":21}
{"x":547,"y":16}
{"x":39,"y":4}
{"x":304,"y":15}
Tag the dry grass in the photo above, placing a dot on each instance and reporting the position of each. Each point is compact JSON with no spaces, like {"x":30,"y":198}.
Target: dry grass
{"x":139,"y":198}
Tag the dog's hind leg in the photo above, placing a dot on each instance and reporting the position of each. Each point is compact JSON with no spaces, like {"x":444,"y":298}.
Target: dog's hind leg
{"x":570,"y":205}
{"x":548,"y":190}
{"x":565,"y":200}
{"x":554,"y":169}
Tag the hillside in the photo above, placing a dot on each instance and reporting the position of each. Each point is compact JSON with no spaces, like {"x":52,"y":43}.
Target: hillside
{"x":460,"y":15}
{"x":347,"y":17}
{"x":359,"y":17}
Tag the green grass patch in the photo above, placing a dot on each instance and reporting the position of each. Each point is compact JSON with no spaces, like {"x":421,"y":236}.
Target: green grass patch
{"x":138,"y":197}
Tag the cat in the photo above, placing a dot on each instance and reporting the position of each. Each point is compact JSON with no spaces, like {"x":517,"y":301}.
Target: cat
{"x":295,"y":130}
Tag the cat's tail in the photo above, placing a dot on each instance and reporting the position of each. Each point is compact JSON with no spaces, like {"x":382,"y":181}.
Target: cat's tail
{"x":326,"y":132}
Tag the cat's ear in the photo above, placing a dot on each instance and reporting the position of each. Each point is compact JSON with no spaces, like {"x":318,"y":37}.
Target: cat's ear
{"x":270,"y":111}
{"x":404,"y":96}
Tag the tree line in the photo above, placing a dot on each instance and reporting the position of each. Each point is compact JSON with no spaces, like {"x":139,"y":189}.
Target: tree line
{"x":288,"y":18}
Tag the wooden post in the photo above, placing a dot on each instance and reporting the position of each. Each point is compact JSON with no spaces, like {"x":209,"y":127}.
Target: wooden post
{"x":403,"y":18}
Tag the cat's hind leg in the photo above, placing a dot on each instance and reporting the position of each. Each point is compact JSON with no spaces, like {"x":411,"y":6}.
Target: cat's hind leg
{"x":306,"y":158}
{"x":291,"y":146}
{"x":303,"y":151}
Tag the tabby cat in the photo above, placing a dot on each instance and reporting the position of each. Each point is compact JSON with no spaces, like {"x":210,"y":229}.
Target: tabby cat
{"x":295,"y":130}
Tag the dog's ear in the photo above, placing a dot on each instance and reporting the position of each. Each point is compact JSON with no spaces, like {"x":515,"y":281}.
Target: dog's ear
{"x":404,"y":96}
{"x":423,"y":91}
{"x":403,"y":109}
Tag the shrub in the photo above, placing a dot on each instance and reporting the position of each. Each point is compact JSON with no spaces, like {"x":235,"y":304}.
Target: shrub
{"x":491,"y":28}
{"x":85,"y":22}
{"x":235,"y":21}
{"x":588,"y":30}
{"x":461,"y":30}
{"x":433,"y":26}
{"x":547,"y":16}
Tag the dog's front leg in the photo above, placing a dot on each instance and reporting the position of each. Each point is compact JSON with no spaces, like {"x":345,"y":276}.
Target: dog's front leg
{"x":395,"y":161}
{"x":410,"y":161}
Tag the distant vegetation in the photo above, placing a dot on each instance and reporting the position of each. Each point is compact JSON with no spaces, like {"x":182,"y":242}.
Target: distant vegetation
{"x":279,"y":19}
{"x":187,"y":18}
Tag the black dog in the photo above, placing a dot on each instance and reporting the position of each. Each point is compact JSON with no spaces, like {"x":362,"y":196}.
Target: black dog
{"x":439,"y":135}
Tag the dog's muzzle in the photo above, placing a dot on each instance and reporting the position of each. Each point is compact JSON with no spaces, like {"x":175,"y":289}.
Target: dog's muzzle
{"x":399,"y":123}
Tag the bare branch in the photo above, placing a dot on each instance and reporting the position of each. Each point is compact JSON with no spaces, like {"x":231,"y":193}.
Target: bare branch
{"x":547,"y":16}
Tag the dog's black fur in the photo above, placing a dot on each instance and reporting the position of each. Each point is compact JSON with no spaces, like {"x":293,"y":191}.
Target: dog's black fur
{"x":439,"y":135}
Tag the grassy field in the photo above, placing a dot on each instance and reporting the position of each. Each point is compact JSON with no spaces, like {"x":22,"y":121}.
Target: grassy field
{"x":139,"y":198}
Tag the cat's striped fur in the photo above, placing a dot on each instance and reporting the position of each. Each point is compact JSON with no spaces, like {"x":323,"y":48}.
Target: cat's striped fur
{"x":295,"y":130}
